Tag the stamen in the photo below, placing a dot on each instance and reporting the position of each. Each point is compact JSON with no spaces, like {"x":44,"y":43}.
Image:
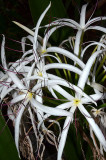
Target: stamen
{"x":29,"y":95}
{"x":76,"y":102}
{"x":43,"y":51}
{"x":97,"y":112}
{"x":40,"y":74}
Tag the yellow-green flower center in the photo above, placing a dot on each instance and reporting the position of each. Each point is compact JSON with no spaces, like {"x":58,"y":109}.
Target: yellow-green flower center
{"x":40,"y":74}
{"x":97,"y":112}
{"x":43,"y":51}
{"x":29,"y":95}
{"x":76,"y":102}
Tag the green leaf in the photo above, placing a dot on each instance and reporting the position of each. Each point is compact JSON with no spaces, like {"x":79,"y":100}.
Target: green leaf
{"x":72,"y":148}
{"x":7,"y":146}
{"x":56,"y":10}
{"x":103,"y":105}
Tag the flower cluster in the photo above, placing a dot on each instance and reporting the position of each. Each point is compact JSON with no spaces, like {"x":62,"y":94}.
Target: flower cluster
{"x":59,"y":73}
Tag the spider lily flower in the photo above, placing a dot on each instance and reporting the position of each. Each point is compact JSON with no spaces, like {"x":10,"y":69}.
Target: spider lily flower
{"x":98,"y":112}
{"x":37,"y":28}
{"x":26,"y":97}
{"x":75,"y":102}
{"x":100,"y":117}
{"x":81,"y":27}
{"x":80,"y":104}
{"x":10,"y":74}
{"x":41,"y":74}
{"x":44,"y":41}
{"x":34,"y":103}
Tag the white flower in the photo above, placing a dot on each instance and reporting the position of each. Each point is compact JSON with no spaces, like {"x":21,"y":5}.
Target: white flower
{"x":81,"y":26}
{"x":27,"y":96}
{"x":74,"y":102}
{"x":101,"y":116}
{"x":77,"y":101}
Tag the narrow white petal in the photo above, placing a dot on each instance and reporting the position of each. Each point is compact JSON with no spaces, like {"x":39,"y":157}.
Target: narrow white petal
{"x":102,"y":29}
{"x":63,"y":66}
{"x":7,"y":90}
{"x":95,"y":97}
{"x":27,"y":53}
{"x":52,"y":92}
{"x":18,"y":99}
{"x":16,"y":81}
{"x":35,"y":77}
{"x":14,"y":78}
{"x":97,"y":86}
{"x":3,"y":57}
{"x":48,"y":34}
{"x":67,"y":54}
{"x":65,"y":105}
{"x":49,"y":110}
{"x":37,"y":26}
{"x":93,"y":20}
{"x":30,"y":73}
{"x":71,"y":21}
{"x":63,"y":22}
{"x":17,"y":125}
{"x":51,"y":76}
{"x":86,"y":70}
{"x":94,"y":126}
{"x":39,"y":98}
{"x":83,"y":16}
{"x":23,"y":42}
{"x":33,"y":122}
{"x":46,"y":55}
{"x":94,"y":43}
{"x":1,"y":75}
{"x":10,"y":114}
{"x":62,"y":92}
{"x":77,"y":42}
{"x":63,"y":83}
{"x":64,"y":134}
{"x":24,"y":28}
{"x":5,"y":87}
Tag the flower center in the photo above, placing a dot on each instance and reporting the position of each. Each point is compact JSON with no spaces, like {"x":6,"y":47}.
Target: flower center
{"x":97,"y":112}
{"x":40,"y":74}
{"x":29,"y":95}
{"x":43,"y":51}
{"x":76,"y":102}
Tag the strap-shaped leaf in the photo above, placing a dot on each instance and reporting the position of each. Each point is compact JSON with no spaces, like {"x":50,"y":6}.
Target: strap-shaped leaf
{"x":38,"y":6}
{"x":7,"y":146}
